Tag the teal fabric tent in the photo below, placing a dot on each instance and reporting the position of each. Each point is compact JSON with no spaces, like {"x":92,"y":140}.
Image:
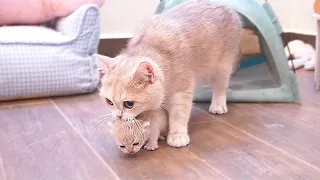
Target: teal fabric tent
{"x":267,"y":78}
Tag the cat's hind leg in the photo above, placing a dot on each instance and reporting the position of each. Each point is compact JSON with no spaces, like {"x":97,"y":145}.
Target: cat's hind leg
{"x":220,"y":82}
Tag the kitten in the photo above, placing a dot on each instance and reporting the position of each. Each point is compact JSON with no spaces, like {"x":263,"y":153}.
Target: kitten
{"x":131,"y":134}
{"x":168,"y":55}
{"x":303,"y":54}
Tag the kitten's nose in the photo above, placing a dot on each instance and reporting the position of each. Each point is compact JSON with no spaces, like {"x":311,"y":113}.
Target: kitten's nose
{"x":131,"y":152}
{"x":119,"y":117}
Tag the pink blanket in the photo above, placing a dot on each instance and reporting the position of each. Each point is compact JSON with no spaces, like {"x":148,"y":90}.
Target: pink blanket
{"x":38,"y":11}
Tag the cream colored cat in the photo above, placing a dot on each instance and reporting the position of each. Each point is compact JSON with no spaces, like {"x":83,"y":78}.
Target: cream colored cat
{"x":131,"y":134}
{"x":168,"y":55}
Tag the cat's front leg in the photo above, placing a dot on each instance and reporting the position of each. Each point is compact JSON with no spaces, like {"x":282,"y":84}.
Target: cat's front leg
{"x":179,"y":109}
{"x":152,"y":143}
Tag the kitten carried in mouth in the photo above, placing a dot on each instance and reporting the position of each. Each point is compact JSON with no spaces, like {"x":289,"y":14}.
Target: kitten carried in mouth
{"x":131,"y":134}
{"x":168,"y":55}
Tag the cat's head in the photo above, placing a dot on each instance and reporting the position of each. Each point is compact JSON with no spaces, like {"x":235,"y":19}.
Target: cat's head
{"x":130,"y":134}
{"x":131,"y":85}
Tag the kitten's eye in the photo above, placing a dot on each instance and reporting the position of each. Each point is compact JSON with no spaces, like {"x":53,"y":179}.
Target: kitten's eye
{"x":109,"y":102}
{"x":122,"y":146}
{"x":135,"y":144}
{"x":128,"y":104}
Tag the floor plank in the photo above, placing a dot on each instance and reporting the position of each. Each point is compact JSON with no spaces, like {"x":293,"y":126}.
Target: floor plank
{"x":296,"y":136}
{"x":308,"y":93}
{"x":294,"y":128}
{"x":22,"y":103}
{"x":164,"y":163}
{"x":239,"y":156}
{"x":300,"y":132}
{"x":45,"y":139}
{"x":2,"y":170}
{"x":37,"y":143}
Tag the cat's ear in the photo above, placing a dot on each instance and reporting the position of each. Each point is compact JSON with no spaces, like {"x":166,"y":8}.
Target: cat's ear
{"x":144,"y":73}
{"x":104,"y":62}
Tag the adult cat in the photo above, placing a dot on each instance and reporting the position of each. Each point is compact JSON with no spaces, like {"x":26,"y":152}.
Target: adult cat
{"x":169,"y":53}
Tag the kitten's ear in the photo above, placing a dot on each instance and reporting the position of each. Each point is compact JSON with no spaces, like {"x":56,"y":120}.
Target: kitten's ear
{"x":144,"y":73}
{"x":145,"y":124}
{"x":104,"y":62}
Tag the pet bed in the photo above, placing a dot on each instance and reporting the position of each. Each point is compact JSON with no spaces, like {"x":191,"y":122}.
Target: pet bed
{"x":36,"y":61}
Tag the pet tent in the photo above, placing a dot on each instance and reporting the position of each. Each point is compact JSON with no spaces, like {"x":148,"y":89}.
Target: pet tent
{"x":264,"y":75}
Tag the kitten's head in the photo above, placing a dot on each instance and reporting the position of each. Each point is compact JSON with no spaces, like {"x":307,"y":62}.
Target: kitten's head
{"x":130,"y":134}
{"x":131,"y":85}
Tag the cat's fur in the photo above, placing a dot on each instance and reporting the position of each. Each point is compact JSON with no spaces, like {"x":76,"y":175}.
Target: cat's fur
{"x":131,"y":134}
{"x":167,"y":56}
{"x":303,"y":54}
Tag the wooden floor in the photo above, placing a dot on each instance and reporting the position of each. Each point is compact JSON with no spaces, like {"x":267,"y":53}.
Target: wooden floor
{"x":56,"y":139}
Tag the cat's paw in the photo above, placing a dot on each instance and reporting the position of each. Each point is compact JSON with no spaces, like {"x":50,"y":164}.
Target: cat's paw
{"x":216,"y":108}
{"x":151,"y":146}
{"x":161,"y":138}
{"x":178,"y":139}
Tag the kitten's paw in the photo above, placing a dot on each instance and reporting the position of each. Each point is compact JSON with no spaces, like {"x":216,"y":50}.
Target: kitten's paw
{"x":178,"y":139}
{"x":151,"y":146}
{"x":216,"y":108}
{"x":161,"y":138}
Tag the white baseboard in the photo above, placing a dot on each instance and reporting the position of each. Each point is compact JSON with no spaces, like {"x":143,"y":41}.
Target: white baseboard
{"x":115,"y":36}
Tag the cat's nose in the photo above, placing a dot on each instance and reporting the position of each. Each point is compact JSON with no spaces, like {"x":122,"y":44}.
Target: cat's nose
{"x":120,"y":117}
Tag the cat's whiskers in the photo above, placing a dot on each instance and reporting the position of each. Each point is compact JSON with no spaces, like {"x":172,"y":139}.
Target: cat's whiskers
{"x":102,"y":116}
{"x":98,"y":123}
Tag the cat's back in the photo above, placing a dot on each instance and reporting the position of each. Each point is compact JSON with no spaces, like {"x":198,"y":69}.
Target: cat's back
{"x":194,"y":25}
{"x":191,"y":37}
{"x":201,"y":11}
{"x":159,"y":116}
{"x":198,"y":16}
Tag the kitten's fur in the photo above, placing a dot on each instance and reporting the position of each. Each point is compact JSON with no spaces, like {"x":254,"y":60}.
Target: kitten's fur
{"x":167,"y":56}
{"x":144,"y":130}
{"x":303,"y":54}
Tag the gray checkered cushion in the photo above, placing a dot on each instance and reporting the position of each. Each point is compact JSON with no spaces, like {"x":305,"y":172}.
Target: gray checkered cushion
{"x":36,"y":61}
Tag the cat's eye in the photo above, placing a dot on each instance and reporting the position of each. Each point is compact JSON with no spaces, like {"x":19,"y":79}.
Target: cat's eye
{"x":122,"y":146}
{"x":128,"y":104}
{"x":135,"y":144}
{"x":109,"y":102}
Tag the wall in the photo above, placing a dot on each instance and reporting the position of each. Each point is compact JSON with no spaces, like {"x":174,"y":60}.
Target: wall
{"x":295,"y":15}
{"x":120,"y":17}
